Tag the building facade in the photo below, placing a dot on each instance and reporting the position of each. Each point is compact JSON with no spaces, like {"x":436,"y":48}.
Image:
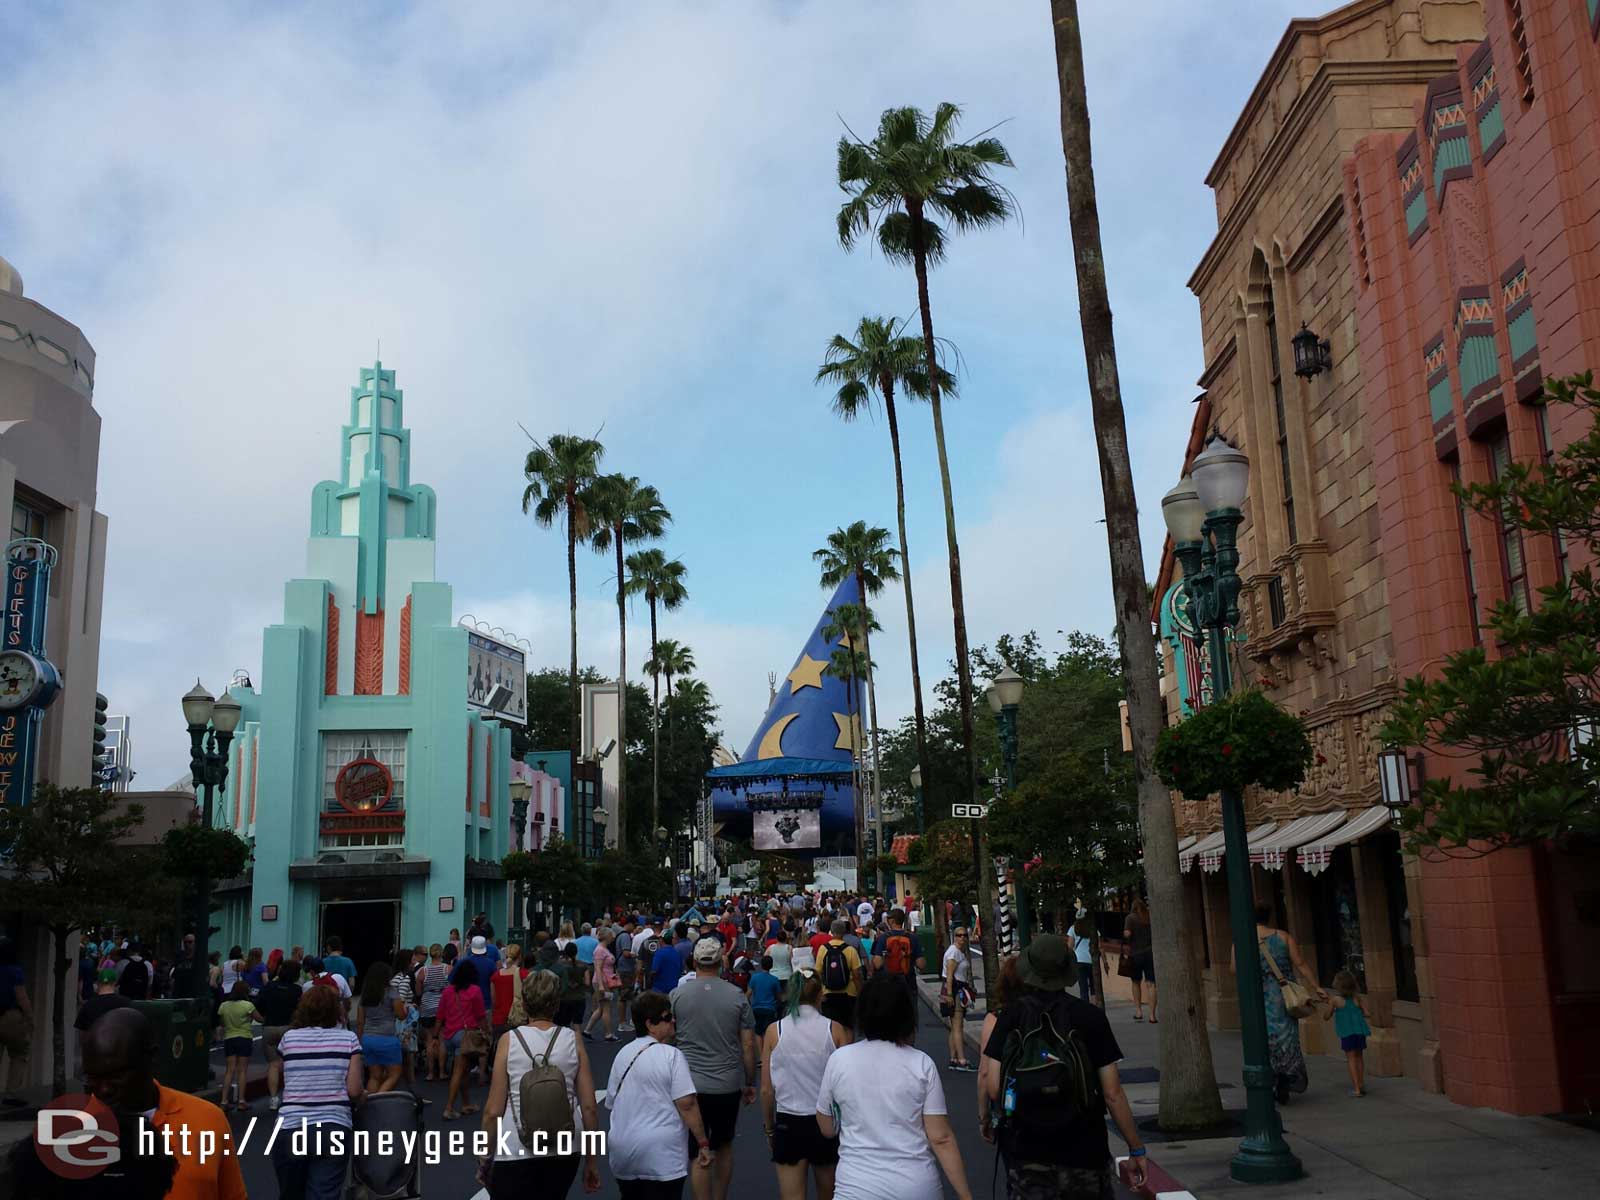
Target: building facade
{"x":1315,"y":632}
{"x":49,"y":471}
{"x":1474,"y":240}
{"x":119,"y":752}
{"x":376,"y":801}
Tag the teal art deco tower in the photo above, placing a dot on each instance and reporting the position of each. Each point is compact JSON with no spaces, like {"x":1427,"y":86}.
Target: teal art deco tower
{"x":376,"y":801}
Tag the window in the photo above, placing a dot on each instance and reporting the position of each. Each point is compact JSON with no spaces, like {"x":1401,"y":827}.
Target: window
{"x":342,"y":829}
{"x":1283,"y":425}
{"x":1275,"y":601}
{"x":1513,"y":561}
{"x":1542,"y":424}
{"x":27,"y":521}
{"x":1386,"y":847}
{"x":1336,"y":921}
{"x":1469,"y":568}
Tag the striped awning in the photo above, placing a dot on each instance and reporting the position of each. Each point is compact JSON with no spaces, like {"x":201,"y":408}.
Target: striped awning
{"x":1272,"y":852}
{"x":1211,"y":860}
{"x":1186,"y":857}
{"x":1185,"y":843}
{"x":1315,"y":856}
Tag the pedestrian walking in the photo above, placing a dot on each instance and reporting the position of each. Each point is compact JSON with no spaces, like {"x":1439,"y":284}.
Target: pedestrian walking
{"x":464,"y":1026}
{"x":1281,"y":961}
{"x":665,"y":966}
{"x":1083,"y":953}
{"x":767,"y":993}
{"x":1007,"y":986}
{"x":794,"y":1055}
{"x":1350,"y":1023}
{"x":838,"y":965}
{"x":882,"y":1098}
{"x":322,"y":1077}
{"x":432,"y":980}
{"x":1136,"y":944}
{"x":540,"y":1086}
{"x":575,"y":987}
{"x":334,"y":959}
{"x":378,"y":1018}
{"x":956,"y":995}
{"x":508,"y":978}
{"x":1050,"y":1064}
{"x":651,"y":1095}
{"x":606,"y":984}
{"x":235,"y":1016}
{"x":716,"y":1032}
{"x":276,"y":1003}
{"x":896,"y":952}
{"x":105,"y":998}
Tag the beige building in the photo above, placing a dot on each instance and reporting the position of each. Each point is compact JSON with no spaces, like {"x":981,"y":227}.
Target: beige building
{"x":1314,"y":632}
{"x":49,"y":459}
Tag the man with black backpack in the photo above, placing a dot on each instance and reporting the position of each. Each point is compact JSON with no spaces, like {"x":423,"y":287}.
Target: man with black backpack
{"x":839,"y":968}
{"x":1050,"y":1072}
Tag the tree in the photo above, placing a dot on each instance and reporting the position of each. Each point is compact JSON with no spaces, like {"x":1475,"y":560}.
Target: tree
{"x":69,"y":869}
{"x":879,"y":360}
{"x":1523,"y":720}
{"x":558,"y":873}
{"x":560,"y":477}
{"x":1189,"y":1097}
{"x":660,"y":581}
{"x":864,"y":555}
{"x":911,"y":177}
{"x":670,"y":657}
{"x":849,"y":623}
{"x":625,"y":511}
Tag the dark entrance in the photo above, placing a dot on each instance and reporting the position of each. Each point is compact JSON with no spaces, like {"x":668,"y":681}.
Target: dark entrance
{"x":369,"y":929}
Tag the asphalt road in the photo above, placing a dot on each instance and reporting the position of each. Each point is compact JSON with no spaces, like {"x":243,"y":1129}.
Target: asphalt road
{"x":753,"y":1176}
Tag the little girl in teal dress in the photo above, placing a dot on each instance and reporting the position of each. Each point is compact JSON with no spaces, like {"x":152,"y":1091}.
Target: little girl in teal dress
{"x":1350,"y":1023}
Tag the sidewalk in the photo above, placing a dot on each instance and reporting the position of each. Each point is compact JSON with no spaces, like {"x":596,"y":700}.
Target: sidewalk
{"x":1397,"y":1143}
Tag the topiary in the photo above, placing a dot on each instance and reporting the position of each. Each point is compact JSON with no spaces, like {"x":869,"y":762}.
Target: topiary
{"x":1240,"y":740}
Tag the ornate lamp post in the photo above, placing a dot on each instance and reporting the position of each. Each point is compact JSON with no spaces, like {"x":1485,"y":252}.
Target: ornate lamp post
{"x":521,"y":790}
{"x":916,"y":790}
{"x":1203,"y":514}
{"x":211,"y":724}
{"x":1005,"y":697}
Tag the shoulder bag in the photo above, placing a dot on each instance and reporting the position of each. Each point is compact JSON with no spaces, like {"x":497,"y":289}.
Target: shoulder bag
{"x":1297,"y":998}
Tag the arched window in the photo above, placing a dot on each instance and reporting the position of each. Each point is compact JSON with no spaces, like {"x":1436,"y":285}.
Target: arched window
{"x":1281,"y":424}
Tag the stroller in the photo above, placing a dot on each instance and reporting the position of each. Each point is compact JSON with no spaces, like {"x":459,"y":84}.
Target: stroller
{"x":391,"y":1178}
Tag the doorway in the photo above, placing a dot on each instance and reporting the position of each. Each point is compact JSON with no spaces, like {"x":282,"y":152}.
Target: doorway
{"x":369,"y":929}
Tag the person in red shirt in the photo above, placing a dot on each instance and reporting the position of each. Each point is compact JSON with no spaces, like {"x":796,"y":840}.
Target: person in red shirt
{"x":729,"y":930}
{"x":503,"y":983}
{"x":819,"y":939}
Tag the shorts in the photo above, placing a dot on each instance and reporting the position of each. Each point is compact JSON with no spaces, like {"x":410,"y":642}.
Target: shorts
{"x":571,"y":1012}
{"x":797,"y":1139}
{"x":271,"y":1035}
{"x":1041,"y":1181}
{"x":764,"y":1018}
{"x":1143,"y":967}
{"x":719,"y":1113}
{"x":1354,"y":1041}
{"x":380,"y":1050}
{"x":239,"y":1047}
{"x":428,"y":1022}
{"x":651,"y":1189}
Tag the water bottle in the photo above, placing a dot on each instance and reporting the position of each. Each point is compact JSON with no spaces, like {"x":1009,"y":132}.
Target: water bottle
{"x":1009,"y":1104}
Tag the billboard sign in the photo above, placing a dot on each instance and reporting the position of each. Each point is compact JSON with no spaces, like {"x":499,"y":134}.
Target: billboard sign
{"x":497,"y":677}
{"x":788,"y":829}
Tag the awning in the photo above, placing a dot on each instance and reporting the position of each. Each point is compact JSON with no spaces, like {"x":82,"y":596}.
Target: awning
{"x":1211,"y":860}
{"x":1186,"y":857}
{"x":1315,"y":856}
{"x":1272,"y":852}
{"x":1187,"y":842}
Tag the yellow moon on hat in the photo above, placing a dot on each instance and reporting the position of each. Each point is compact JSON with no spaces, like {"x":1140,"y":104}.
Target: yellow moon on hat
{"x":772,"y":740}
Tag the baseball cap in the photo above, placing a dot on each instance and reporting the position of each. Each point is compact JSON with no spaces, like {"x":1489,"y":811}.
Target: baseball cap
{"x":108,"y":975}
{"x":707,"y":951}
{"x":480,"y":944}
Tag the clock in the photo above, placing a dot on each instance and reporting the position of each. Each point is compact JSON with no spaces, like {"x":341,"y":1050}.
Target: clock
{"x":26,"y":679}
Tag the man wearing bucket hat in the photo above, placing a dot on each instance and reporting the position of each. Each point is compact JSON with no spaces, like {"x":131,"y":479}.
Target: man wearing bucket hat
{"x":1050,"y":1071}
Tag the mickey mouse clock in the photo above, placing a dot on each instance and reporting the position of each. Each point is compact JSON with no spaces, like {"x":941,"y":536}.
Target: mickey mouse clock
{"x":26,"y":680}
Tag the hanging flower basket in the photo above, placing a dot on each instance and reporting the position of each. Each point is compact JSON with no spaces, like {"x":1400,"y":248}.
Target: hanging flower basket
{"x":1241,"y":740}
{"x":196,"y":852}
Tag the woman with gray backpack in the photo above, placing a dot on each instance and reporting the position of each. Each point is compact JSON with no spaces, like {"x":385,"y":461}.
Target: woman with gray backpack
{"x":539,"y":1088}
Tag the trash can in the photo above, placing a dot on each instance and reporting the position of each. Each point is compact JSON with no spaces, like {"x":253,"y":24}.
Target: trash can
{"x":928,"y":942}
{"x":183,"y":1041}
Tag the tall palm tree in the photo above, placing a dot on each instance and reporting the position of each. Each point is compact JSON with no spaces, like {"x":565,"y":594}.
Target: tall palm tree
{"x":1189,"y":1097}
{"x":864,"y":555}
{"x":850,"y":625}
{"x":671,"y":658}
{"x":560,"y":475}
{"x":911,"y":177}
{"x":625,"y":511}
{"x":660,"y":581}
{"x":879,"y":360}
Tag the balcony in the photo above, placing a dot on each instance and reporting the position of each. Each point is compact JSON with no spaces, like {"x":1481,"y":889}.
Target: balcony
{"x":1287,"y":612}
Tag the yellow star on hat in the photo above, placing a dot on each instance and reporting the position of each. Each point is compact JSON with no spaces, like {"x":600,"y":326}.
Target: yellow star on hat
{"x":807,"y":673}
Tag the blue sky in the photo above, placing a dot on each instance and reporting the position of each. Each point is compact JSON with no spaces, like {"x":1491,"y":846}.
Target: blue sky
{"x":599,"y":217}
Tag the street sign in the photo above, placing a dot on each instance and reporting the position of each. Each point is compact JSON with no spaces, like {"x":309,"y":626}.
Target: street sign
{"x":970,"y":811}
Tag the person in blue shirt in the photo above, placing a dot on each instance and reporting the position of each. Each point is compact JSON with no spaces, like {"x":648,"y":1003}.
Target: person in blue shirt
{"x":766,"y":995}
{"x":485,"y":958}
{"x":334,"y":960}
{"x":687,"y":936}
{"x":666,"y":968}
{"x":586,"y":944}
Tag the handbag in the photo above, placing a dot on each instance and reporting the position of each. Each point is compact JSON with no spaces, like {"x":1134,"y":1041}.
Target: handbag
{"x":474,"y":1042}
{"x":1297,"y":998}
{"x":1125,"y":964}
{"x":518,"y":1013}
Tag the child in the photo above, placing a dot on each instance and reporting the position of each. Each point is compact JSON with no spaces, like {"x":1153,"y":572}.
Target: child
{"x":235,"y":1014}
{"x":1350,"y":1023}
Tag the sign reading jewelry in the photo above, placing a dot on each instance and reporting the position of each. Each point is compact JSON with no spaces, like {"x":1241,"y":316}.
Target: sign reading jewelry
{"x":28,"y":681}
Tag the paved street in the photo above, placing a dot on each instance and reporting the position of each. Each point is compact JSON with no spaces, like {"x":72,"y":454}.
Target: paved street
{"x":752,"y":1177}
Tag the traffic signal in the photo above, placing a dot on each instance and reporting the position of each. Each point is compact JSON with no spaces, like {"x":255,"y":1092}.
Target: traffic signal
{"x":102,"y":757}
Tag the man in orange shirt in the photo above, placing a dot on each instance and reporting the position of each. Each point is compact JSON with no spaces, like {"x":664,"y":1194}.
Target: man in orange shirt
{"x":119,"y":1056}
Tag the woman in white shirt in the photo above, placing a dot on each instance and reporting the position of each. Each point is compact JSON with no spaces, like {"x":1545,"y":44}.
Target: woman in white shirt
{"x":794,"y":1053}
{"x":882,"y":1098}
{"x":652,"y":1100}
{"x":565,"y":936}
{"x":520,"y":1173}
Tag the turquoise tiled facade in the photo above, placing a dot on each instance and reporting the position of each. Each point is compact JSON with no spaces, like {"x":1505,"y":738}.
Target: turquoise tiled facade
{"x":367,"y":664}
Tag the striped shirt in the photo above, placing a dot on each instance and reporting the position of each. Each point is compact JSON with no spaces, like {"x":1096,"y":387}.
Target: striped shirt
{"x":434,"y":976}
{"x":316,"y":1063}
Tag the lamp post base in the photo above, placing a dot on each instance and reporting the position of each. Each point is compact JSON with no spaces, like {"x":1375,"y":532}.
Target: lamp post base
{"x":1261,"y":1163}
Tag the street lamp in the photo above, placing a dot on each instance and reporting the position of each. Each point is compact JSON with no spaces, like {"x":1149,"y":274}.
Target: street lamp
{"x":521,"y":789}
{"x":211,"y":727}
{"x":1203,"y":515}
{"x":1005,"y":696}
{"x":916,"y":790}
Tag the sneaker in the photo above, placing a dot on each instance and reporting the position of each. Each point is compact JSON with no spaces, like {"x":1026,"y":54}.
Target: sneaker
{"x":611,"y":1037}
{"x":628,"y":1028}
{"x":275,"y":1102}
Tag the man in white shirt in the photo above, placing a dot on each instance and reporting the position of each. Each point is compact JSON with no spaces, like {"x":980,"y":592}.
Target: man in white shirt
{"x":864,"y":912}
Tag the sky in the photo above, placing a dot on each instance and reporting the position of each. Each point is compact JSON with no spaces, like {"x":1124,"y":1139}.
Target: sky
{"x":602,"y":219}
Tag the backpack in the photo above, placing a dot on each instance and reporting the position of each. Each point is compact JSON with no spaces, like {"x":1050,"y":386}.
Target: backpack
{"x":328,"y":980}
{"x":835,"y":971}
{"x":135,"y":981}
{"x":1047,"y":1081}
{"x":647,"y":952}
{"x":897,"y":953}
{"x":542,"y":1103}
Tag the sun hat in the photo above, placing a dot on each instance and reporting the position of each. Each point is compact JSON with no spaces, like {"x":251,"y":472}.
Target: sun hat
{"x":1047,"y":964}
{"x":707,"y":951}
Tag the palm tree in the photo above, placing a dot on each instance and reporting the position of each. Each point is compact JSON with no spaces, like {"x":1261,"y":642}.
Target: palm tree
{"x":1189,"y":1097}
{"x":672,"y":658}
{"x":850,"y":625}
{"x":864,"y":555}
{"x":626,"y":511}
{"x":560,"y":476}
{"x":902,"y":184}
{"x":660,"y":581}
{"x":877,"y":361}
